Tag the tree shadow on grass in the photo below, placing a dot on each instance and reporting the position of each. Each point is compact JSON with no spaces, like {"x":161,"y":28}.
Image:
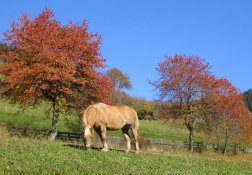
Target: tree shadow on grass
{"x":27,"y":130}
{"x":81,"y":147}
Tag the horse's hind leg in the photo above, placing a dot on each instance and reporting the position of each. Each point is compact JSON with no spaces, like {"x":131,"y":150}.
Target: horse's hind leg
{"x":125,"y":131}
{"x":102,"y":134}
{"x":135,"y":133}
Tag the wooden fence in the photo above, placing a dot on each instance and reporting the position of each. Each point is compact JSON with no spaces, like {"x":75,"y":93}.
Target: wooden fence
{"x":155,"y":143}
{"x":148,"y":142}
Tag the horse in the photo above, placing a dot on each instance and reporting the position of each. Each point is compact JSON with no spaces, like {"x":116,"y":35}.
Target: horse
{"x":101,"y":117}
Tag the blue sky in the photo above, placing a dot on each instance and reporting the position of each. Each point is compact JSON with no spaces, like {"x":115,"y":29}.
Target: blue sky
{"x":137,"y":34}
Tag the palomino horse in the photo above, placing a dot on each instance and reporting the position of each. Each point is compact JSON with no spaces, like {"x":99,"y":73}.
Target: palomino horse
{"x":101,"y":117}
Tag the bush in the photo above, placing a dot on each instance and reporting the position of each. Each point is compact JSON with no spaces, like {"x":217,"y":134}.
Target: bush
{"x":145,"y":115}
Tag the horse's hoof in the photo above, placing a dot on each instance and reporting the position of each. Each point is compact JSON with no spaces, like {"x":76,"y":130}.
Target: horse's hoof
{"x":104,"y":149}
{"x":127,"y":151}
{"x":88,"y":148}
{"x":137,"y":152}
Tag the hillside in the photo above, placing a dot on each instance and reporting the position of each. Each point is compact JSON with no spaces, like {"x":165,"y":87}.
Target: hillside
{"x":33,"y":156}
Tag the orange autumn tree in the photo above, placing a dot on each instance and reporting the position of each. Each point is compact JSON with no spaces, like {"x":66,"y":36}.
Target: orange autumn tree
{"x":230,"y":116}
{"x":121,"y":80}
{"x":182,"y":84}
{"x":53,"y":62}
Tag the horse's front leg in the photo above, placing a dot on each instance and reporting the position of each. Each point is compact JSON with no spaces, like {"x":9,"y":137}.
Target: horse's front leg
{"x":103,"y":138}
{"x":135,"y":133}
{"x":125,"y":131}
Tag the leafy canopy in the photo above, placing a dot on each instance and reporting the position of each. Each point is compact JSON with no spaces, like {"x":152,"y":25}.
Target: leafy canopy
{"x":53,"y":62}
{"x":121,"y":80}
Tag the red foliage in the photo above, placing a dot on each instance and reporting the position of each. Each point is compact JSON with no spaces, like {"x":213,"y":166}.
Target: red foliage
{"x":231,"y":110}
{"x":183,"y":82}
{"x":182,"y":78}
{"x":193,"y":92}
{"x":50,"y":60}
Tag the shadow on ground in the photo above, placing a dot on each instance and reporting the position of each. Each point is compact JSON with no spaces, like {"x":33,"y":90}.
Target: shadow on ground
{"x":81,"y":147}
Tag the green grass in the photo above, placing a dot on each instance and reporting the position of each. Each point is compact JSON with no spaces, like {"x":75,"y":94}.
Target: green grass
{"x":33,"y":156}
{"x":33,"y":118}
{"x":168,"y":130}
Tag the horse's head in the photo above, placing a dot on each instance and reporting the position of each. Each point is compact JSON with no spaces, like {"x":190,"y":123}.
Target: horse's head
{"x":87,"y":137}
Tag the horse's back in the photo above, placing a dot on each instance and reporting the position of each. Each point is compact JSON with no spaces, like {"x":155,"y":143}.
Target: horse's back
{"x":121,"y":114}
{"x":114,"y":117}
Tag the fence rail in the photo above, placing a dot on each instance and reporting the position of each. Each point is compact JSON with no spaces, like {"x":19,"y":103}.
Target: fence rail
{"x":150,"y":142}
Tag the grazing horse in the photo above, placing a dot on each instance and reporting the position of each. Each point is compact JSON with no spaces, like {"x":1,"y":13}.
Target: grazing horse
{"x":102,"y":117}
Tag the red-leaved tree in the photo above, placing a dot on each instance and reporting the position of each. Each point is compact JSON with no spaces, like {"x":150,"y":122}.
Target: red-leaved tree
{"x":55,"y":63}
{"x":182,"y":84}
{"x":229,"y":114}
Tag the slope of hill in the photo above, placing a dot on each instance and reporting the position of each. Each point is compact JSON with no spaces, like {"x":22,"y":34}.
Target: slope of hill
{"x":38,"y":156}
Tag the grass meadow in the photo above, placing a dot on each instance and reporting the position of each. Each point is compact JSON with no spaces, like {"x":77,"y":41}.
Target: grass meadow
{"x":37,"y":155}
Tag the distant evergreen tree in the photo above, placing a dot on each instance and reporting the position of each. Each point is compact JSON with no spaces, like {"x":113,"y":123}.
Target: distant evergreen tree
{"x":3,"y":48}
{"x":248,"y":99}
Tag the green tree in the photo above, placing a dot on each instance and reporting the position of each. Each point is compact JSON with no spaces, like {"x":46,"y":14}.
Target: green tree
{"x":3,"y":49}
{"x":248,"y":99}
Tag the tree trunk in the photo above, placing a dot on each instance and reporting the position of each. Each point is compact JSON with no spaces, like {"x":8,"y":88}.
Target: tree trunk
{"x":225,"y":143}
{"x":218,"y":139}
{"x":191,"y":136}
{"x":191,"y":140}
{"x":54,"y":130}
{"x":218,"y":143}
